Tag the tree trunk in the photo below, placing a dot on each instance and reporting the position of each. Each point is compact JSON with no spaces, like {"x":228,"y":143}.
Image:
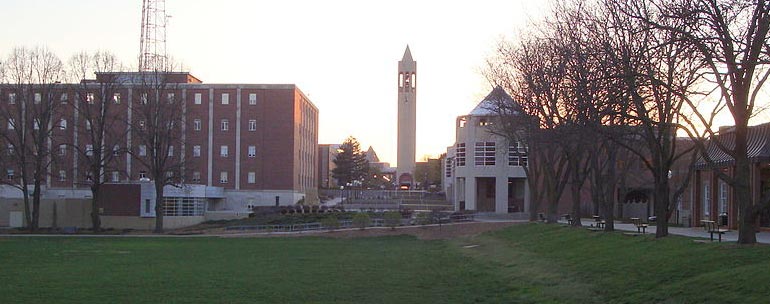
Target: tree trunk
{"x":96,"y":222}
{"x":742,"y":187}
{"x":661,"y":207}
{"x":158,"y":208}
{"x":36,"y":206}
{"x":575,"y":189}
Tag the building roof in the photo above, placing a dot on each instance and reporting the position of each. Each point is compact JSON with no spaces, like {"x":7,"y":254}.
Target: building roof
{"x":371,"y":156}
{"x":488,"y":105}
{"x":407,"y":55}
{"x":758,"y":146}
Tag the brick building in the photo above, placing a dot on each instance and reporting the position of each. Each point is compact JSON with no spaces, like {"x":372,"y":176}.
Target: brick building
{"x":257,"y":142}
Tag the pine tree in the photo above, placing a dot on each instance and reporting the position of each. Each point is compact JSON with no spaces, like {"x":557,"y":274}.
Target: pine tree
{"x":351,"y":163}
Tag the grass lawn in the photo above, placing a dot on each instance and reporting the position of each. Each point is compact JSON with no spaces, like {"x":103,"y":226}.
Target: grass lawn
{"x":533,"y":263}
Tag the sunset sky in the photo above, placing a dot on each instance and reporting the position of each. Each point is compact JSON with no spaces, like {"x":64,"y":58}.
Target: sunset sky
{"x":342,"y":54}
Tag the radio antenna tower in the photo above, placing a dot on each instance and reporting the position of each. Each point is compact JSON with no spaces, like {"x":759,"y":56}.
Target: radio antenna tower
{"x":152,"y":43}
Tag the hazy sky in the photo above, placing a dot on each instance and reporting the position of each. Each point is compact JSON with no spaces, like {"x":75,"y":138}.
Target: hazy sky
{"x":342,"y":54}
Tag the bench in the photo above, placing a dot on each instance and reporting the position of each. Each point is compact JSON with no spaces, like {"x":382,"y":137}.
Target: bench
{"x":640,"y":227}
{"x":567,"y":217}
{"x":712,"y":227}
{"x":599,"y":221}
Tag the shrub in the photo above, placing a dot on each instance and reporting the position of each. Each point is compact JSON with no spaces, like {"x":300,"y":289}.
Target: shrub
{"x":392,"y":219}
{"x":330,"y":222}
{"x":423,"y":218}
{"x":361,"y":220}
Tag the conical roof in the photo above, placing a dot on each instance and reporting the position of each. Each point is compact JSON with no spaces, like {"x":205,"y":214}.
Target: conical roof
{"x":371,"y":156}
{"x":489,"y":104}
{"x":407,"y":55}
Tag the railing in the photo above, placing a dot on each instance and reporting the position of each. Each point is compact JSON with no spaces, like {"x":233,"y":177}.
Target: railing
{"x":377,"y":222}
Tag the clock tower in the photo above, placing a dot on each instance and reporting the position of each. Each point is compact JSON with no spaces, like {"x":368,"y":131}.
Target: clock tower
{"x":407,"y":109}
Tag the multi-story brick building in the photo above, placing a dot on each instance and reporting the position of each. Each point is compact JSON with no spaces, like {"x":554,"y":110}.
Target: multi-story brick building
{"x":258,"y":142}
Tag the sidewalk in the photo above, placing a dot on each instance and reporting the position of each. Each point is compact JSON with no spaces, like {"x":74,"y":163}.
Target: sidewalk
{"x":731,"y":236}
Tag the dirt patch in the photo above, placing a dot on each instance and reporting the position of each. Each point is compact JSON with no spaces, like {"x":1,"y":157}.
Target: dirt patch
{"x":432,"y":232}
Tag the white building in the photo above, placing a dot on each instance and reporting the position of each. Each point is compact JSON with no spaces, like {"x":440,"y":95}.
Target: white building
{"x":484,"y":171}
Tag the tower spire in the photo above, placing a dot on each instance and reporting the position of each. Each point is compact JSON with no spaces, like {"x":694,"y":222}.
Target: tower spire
{"x":407,"y":55}
{"x":152,"y":40}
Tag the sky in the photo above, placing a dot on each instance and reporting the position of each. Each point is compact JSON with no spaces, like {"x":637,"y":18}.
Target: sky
{"x":342,"y":54}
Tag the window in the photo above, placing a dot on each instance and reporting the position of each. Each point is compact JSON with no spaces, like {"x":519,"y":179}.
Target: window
{"x":143,"y":98}
{"x":484,"y":154}
{"x":89,"y":177}
{"x":517,"y":154}
{"x":223,"y":151}
{"x":722,"y":197}
{"x":225,"y":98}
{"x":115,"y":176}
{"x":116,"y":150}
{"x":89,"y":150}
{"x":88,"y":125}
{"x":62,"y":149}
{"x":11,"y":149}
{"x":252,"y":99}
{"x":11,"y":98}
{"x":90,"y":98}
{"x":225,"y":124}
{"x":461,"y":123}
{"x":63,"y":98}
{"x":63,"y":124}
{"x":223,"y":177}
{"x":36,"y":124}
{"x":252,"y":125}
{"x":171,"y":151}
{"x":169,"y":174}
{"x":184,"y":206}
{"x":170,"y":97}
{"x":11,"y":124}
{"x":10,"y":174}
{"x":252,"y":151}
{"x":706,"y":198}
{"x":142,"y":174}
{"x":141,"y":124}
{"x":116,"y":98}
{"x":198,"y":98}
{"x":196,"y":177}
{"x":38,"y":98}
{"x":197,"y":124}
{"x":196,"y":151}
{"x":142,"y":150}
{"x":460,"y":155}
{"x":147,"y":206}
{"x":448,"y":167}
{"x":62,"y":175}
{"x":484,"y":122}
{"x":252,"y":177}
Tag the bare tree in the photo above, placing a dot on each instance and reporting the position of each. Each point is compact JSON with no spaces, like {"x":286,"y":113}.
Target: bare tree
{"x":29,"y":106}
{"x":157,"y":129}
{"x":100,"y":127}
{"x":730,"y":38}
{"x":534,"y":74}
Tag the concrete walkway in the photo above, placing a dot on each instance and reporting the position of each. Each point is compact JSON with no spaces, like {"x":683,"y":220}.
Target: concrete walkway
{"x":698,"y":232}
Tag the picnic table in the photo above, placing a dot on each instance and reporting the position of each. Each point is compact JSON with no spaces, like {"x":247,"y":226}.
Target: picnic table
{"x":640,"y":226}
{"x":712,"y":227}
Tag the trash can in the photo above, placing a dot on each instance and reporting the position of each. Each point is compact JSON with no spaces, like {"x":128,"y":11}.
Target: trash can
{"x":723,"y":219}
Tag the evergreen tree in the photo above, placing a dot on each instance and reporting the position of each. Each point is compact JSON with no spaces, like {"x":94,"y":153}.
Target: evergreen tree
{"x":351,"y":163}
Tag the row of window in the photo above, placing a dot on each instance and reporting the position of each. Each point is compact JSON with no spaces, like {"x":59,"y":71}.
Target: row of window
{"x":224,"y":124}
{"x":115,"y":176}
{"x":484,"y":154}
{"x":224,"y":150}
{"x":117,"y":98}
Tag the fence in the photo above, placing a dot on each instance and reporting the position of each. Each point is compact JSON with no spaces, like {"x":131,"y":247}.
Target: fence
{"x":377,"y":222}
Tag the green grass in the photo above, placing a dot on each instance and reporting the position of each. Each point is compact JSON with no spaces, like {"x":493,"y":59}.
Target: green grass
{"x":532,"y":263}
{"x":556,"y":264}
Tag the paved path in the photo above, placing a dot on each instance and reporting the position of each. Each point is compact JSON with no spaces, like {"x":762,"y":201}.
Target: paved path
{"x":699,"y":232}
